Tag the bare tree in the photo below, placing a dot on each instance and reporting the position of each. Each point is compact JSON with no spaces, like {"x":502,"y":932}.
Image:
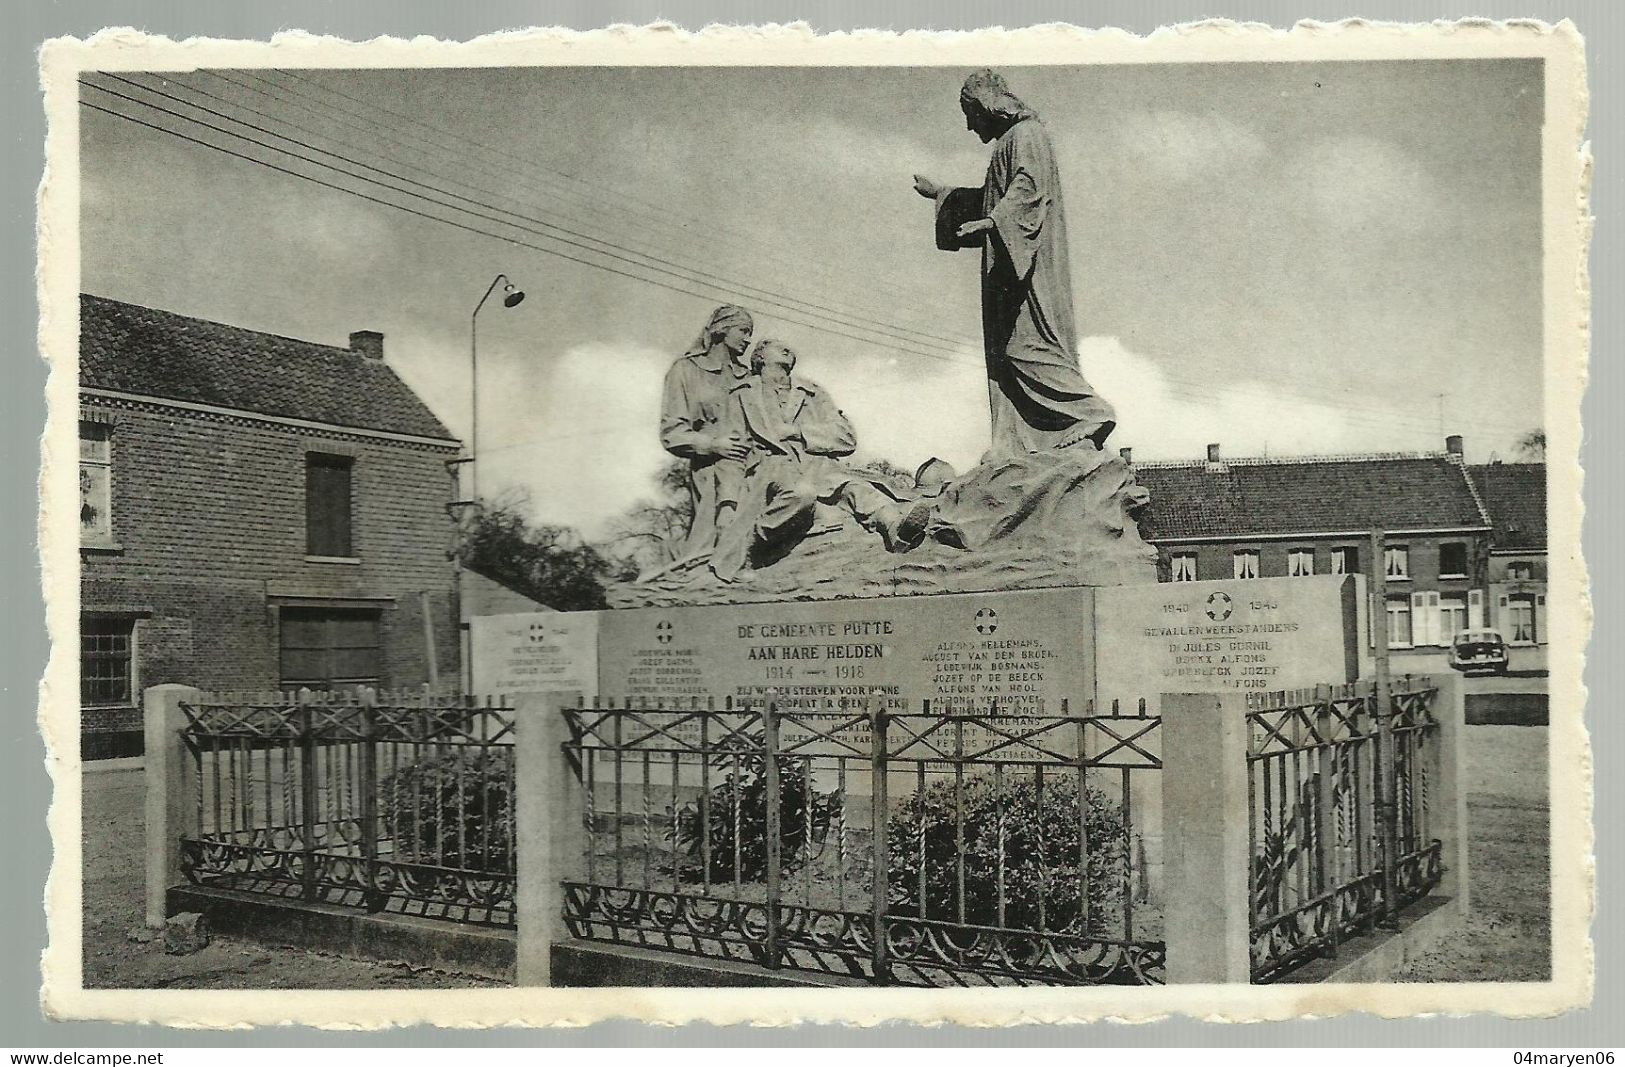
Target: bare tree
{"x":551,"y":564}
{"x":652,"y":531}
{"x":1532,"y":446}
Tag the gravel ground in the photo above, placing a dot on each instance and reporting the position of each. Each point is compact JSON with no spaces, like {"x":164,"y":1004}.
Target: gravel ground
{"x":114,"y":835}
{"x":1507,"y":936}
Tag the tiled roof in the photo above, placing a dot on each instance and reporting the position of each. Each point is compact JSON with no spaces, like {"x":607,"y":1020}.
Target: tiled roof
{"x":1264,"y":497}
{"x":135,"y":349}
{"x":1515,"y":496}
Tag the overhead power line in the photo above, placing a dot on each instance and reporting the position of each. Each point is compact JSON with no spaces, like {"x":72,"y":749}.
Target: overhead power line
{"x":351,"y":122}
{"x":1370,"y":416}
{"x":881,"y":333}
{"x":593,"y":191}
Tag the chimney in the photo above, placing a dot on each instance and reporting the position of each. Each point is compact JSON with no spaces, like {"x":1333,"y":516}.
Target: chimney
{"x":1453,"y":445}
{"x":368,"y":343}
{"x":1127,"y":454}
{"x":1215,"y":463}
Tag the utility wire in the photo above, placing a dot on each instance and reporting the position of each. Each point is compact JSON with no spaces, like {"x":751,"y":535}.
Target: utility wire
{"x":573,"y":238}
{"x":659,"y":215}
{"x":950,"y":342}
{"x":1371,"y":416}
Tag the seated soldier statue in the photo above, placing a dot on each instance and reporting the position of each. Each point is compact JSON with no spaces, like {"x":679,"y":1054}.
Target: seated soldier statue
{"x":796,"y":437}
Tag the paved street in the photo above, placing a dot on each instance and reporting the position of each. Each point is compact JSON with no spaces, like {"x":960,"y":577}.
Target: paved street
{"x":114,"y":836}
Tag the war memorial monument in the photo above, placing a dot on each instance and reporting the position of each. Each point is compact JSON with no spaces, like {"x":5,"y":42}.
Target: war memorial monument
{"x":897,"y":683}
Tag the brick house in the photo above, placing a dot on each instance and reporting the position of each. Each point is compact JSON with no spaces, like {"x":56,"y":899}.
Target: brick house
{"x":256,"y":512}
{"x":1268,"y":517}
{"x":1515,"y":496}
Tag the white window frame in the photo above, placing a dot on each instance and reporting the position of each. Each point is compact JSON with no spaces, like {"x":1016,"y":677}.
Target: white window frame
{"x":1448,"y":603}
{"x":1533,"y":603}
{"x":1240,"y":559}
{"x":1182,"y":566}
{"x":1394,"y":606}
{"x":1300,"y":562}
{"x":1396,"y":563}
{"x":1465,"y":558}
{"x":96,"y":478}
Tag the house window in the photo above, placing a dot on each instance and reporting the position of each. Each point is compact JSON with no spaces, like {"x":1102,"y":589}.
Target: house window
{"x":1521,"y":619}
{"x":1300,"y":562}
{"x":1452,"y":617}
{"x":1453,"y":560}
{"x":1399,"y":621}
{"x":95,"y":483}
{"x":327,"y":504}
{"x":330,"y":648}
{"x":1346,"y":560}
{"x":1522,"y":571}
{"x":1182,"y":566}
{"x":105,"y":661}
{"x":1396,"y":561}
{"x":1246,"y":563}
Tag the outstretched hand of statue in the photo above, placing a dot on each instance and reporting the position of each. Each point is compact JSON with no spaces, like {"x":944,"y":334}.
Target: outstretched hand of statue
{"x":974,"y":227}
{"x":927,"y":188}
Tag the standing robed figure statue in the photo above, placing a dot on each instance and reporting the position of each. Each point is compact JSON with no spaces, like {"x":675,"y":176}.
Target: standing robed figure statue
{"x":1039,"y":397}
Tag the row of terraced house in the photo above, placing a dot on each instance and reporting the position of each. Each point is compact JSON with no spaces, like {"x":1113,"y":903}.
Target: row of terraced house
{"x":262,"y":512}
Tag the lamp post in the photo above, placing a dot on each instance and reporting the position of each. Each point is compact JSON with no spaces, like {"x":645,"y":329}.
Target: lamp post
{"x":511,"y":296}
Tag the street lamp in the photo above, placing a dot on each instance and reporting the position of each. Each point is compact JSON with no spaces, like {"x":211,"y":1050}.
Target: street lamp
{"x":510,"y":298}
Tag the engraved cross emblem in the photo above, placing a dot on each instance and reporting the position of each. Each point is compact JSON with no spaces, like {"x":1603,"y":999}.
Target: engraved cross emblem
{"x":1218,"y":606}
{"x":987,"y":621}
{"x":663,"y":632}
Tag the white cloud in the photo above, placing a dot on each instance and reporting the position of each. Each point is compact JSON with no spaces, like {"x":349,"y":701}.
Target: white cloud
{"x":578,"y":433}
{"x":1175,"y":412}
{"x":1355,"y":182}
{"x":1182,"y":146}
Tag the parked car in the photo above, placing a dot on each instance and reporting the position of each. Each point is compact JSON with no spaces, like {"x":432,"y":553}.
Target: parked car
{"x":1479,"y":650}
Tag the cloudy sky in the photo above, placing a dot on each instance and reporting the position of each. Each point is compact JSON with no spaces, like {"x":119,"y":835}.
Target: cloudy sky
{"x":1283,"y":258}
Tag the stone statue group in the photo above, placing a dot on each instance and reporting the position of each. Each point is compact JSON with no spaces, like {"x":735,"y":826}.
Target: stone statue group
{"x":765,"y":446}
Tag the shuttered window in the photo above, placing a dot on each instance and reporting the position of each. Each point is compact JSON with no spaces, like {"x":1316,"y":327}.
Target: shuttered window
{"x":331,"y":648}
{"x":327,"y":504}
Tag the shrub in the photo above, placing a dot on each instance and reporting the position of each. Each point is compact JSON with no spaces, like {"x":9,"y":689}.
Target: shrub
{"x":444,"y":809}
{"x":797,"y":802}
{"x":1028,"y":876}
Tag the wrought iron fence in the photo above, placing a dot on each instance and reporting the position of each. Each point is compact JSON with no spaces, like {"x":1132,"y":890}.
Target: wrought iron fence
{"x":1327,"y":804}
{"x":386,"y":801}
{"x":898,"y":847}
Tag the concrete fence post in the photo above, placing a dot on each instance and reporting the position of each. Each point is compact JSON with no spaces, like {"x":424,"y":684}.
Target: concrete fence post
{"x":548,"y":829}
{"x":1207,"y":915}
{"x":1446,"y":797}
{"x":171,"y":802}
